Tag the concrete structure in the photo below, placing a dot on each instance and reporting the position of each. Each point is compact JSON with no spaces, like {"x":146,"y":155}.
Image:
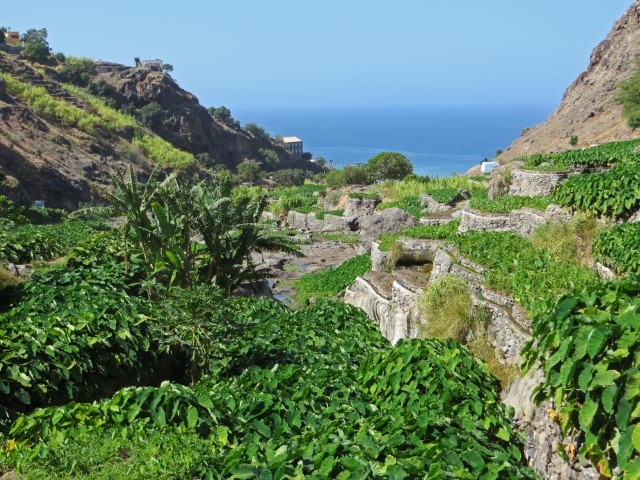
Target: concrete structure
{"x":155,"y":64}
{"x":294,"y":145}
{"x":12,"y":38}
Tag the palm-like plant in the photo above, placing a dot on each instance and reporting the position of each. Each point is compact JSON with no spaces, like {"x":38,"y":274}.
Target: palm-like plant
{"x":194,"y":233}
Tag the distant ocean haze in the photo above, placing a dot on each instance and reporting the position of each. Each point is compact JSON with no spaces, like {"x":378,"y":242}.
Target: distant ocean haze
{"x":439,"y":141}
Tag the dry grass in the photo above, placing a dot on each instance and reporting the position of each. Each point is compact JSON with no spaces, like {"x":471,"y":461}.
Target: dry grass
{"x":569,"y":242}
{"x":446,"y":305}
{"x":449,"y":313}
{"x":8,"y":279}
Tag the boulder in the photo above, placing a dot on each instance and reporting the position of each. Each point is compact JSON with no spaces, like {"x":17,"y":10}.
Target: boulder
{"x":356,"y":210}
{"x":390,"y":220}
{"x":3,"y":87}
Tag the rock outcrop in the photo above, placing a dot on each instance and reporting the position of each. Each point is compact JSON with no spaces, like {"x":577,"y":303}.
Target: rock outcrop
{"x":390,"y":220}
{"x":185,"y":123}
{"x":588,"y":109}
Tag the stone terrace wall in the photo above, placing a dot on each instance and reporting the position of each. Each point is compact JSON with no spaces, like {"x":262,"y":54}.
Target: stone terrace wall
{"x":533,"y":183}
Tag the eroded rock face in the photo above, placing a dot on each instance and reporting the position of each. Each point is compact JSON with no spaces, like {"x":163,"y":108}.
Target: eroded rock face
{"x":3,"y":87}
{"x":390,"y":220}
{"x":588,"y":108}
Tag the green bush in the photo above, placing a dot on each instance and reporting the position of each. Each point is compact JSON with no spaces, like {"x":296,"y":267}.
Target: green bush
{"x":36,"y":47}
{"x":629,"y":96}
{"x":389,"y":166}
{"x":77,"y":71}
{"x":150,"y":115}
{"x":289,"y":177}
{"x":335,"y":178}
{"x":249,"y":170}
{"x":507,"y":203}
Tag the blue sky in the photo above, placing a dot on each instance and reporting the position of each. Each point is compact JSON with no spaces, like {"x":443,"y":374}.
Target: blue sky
{"x":252,"y":54}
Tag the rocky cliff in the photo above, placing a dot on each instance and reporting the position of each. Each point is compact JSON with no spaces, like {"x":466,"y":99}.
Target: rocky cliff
{"x":588,"y":109}
{"x":184,"y":122}
{"x":44,"y":158}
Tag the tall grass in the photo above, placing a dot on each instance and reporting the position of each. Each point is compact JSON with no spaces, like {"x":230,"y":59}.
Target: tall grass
{"x":393,"y":191}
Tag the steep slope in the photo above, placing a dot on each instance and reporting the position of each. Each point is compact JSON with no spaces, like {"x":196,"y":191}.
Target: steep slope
{"x":50,"y":151}
{"x":588,"y":109}
{"x":187,"y":124}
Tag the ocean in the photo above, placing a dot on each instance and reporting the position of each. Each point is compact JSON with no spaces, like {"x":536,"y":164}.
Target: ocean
{"x":439,"y":141}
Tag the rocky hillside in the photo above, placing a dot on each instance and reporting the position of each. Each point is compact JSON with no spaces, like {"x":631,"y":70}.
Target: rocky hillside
{"x":57,"y":145}
{"x":588,"y":109}
{"x":184,"y":122}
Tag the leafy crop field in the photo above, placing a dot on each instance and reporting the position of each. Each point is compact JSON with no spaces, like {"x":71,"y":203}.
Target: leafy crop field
{"x":619,"y":247}
{"x":330,"y":282}
{"x":604,"y":155}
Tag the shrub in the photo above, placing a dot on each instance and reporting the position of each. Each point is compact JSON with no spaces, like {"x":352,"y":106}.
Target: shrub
{"x":568,"y":242}
{"x":389,"y":166}
{"x":220,"y":113}
{"x":249,"y":170}
{"x":150,"y":115}
{"x":100,"y":88}
{"x":356,"y":175}
{"x":289,"y":177}
{"x":335,"y":179}
{"x":257,"y":131}
{"x":573,"y":141}
{"x":77,"y":71}
{"x":411,"y":205}
{"x":629,"y":96}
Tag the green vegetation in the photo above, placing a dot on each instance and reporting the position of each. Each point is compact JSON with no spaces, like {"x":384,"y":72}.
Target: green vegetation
{"x":77,"y":71}
{"x":411,"y":205}
{"x":290,"y":177}
{"x":587,"y":344}
{"x":447,"y":231}
{"x":249,"y":170}
{"x":257,"y":131}
{"x":162,"y":151}
{"x":363,"y":195}
{"x":389,"y":166}
{"x":613,"y":193}
{"x":51,"y":108}
{"x":568,"y":242}
{"x":321,"y":215}
{"x":629,"y":96}
{"x":36,"y":47}
{"x":600,"y":156}
{"x":27,"y":243}
{"x":445,"y":195}
{"x":328,"y":283}
{"x":150,"y":115}
{"x":276,"y":411}
{"x":619,"y":247}
{"x":113,"y":119}
{"x":507,"y":203}
{"x":532,"y":276}
{"x":162,"y":220}
{"x":221,"y":113}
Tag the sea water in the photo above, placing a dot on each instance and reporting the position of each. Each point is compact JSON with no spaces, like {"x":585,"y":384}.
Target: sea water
{"x":439,"y":140}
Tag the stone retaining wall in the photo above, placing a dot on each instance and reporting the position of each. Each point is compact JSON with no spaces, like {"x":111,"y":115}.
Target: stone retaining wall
{"x":396,"y":314}
{"x":533,"y":183}
{"x":522,"y":221}
{"x":308,"y":221}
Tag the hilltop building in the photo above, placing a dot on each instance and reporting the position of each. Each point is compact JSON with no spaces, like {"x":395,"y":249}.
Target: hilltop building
{"x":12,"y":38}
{"x":294,"y":145}
{"x":155,"y":64}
